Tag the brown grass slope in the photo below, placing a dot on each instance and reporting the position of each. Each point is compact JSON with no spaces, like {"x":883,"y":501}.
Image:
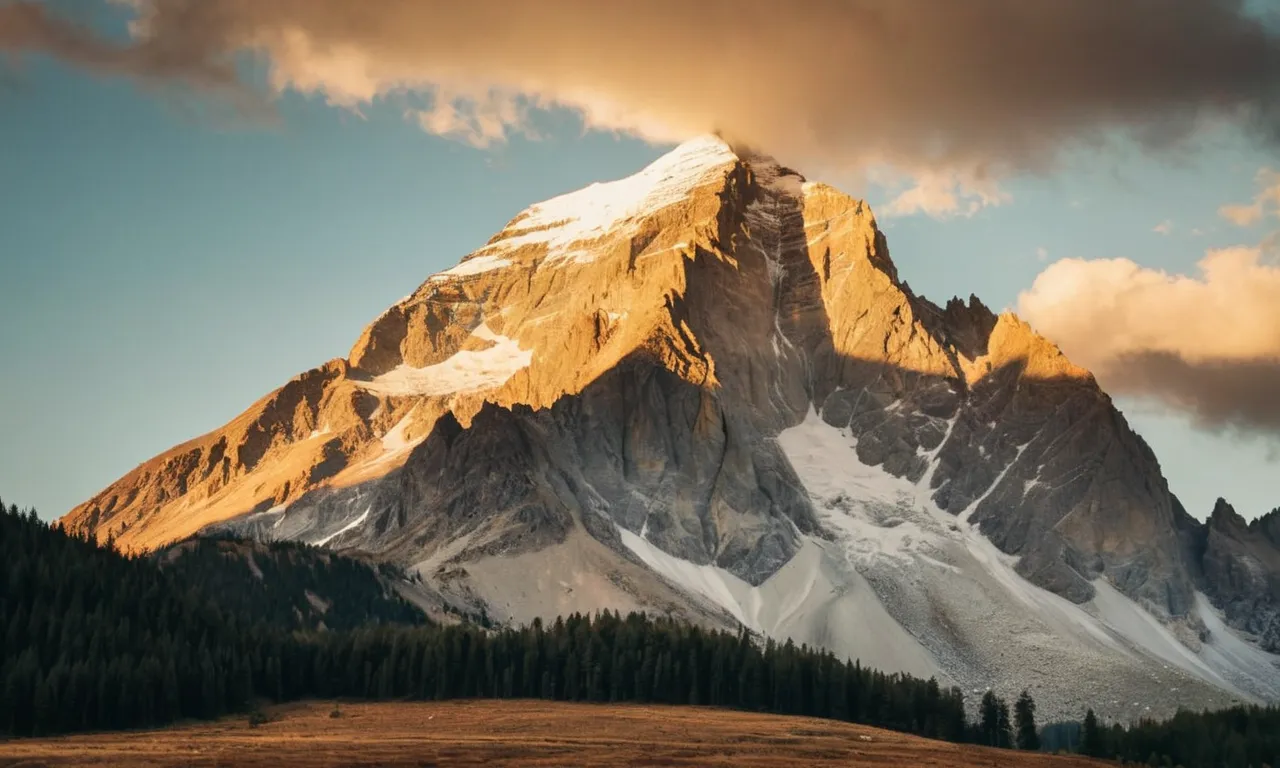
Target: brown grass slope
{"x":514,"y":733}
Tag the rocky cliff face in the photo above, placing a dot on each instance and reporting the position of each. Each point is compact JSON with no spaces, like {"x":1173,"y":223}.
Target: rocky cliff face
{"x":704,"y":389}
{"x":1240,"y":570}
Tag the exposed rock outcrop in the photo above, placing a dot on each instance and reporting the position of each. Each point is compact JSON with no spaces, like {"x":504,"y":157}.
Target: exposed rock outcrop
{"x":1240,"y":569}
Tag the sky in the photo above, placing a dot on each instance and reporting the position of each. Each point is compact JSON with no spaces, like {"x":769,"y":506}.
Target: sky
{"x":195,"y":210}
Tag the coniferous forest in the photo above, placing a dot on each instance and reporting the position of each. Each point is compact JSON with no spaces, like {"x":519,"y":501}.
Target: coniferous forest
{"x":94,"y":639}
{"x":287,"y":585}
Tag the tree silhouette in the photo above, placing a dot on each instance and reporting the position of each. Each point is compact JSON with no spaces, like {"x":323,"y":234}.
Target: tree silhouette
{"x":1024,"y":712}
{"x":1091,"y":742}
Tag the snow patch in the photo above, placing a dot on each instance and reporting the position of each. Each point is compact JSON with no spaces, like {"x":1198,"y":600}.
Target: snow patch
{"x":973,"y":507}
{"x":877,"y":516}
{"x":680,"y":246}
{"x":926,"y":480}
{"x":279,"y":509}
{"x":476,"y":265}
{"x":395,"y":443}
{"x":589,"y":213}
{"x":881,"y":519}
{"x":465,"y":371}
{"x":359,"y":521}
{"x":814,"y":599}
{"x":825,"y":457}
{"x":881,"y":516}
{"x":715,"y":584}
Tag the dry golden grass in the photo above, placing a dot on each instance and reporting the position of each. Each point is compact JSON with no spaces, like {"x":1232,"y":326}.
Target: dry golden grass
{"x":512,"y":733}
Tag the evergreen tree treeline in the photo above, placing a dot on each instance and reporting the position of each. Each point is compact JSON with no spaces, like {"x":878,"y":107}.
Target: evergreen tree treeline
{"x":93,"y":639}
{"x":287,"y":585}
{"x":1239,"y":737}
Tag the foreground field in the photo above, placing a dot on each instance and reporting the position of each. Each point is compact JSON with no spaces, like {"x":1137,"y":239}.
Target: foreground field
{"x":511,"y":733}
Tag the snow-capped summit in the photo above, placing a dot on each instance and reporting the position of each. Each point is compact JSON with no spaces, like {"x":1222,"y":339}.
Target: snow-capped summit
{"x":703,"y":390}
{"x":561,"y":229}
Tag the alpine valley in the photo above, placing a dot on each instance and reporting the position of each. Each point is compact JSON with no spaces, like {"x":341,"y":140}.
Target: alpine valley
{"x":704,"y":391}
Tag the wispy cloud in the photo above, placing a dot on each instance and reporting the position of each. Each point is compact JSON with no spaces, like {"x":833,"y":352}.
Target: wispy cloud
{"x":945,"y":195}
{"x":481,"y":122}
{"x":1164,"y":228}
{"x":1265,"y":203}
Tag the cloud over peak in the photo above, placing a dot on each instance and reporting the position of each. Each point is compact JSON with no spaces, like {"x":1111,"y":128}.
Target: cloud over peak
{"x":960,"y":90}
{"x":1208,"y":344}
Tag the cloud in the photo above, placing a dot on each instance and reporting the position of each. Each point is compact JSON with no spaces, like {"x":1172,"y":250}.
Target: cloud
{"x":945,"y":195}
{"x":1239,"y":394}
{"x":29,"y":27}
{"x":1265,"y":203}
{"x":481,"y":122}
{"x":1164,"y":228}
{"x":1206,"y":344}
{"x":1242,"y":215}
{"x":963,"y":90}
{"x":1042,"y":254}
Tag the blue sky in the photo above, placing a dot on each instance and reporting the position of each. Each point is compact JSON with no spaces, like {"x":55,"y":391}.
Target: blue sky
{"x":161,"y":271}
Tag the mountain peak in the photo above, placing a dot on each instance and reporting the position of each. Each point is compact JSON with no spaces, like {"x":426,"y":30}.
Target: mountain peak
{"x":590,"y":212}
{"x":558,"y":227}
{"x":705,"y":373}
{"x":1225,"y":515}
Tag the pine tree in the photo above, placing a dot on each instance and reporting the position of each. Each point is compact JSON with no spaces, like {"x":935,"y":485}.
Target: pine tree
{"x":1091,"y":736}
{"x":989,"y":725}
{"x":1004,"y":729}
{"x":1025,"y":722}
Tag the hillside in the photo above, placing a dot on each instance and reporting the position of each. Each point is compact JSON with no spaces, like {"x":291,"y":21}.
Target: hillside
{"x":94,"y":639}
{"x":289,"y":585}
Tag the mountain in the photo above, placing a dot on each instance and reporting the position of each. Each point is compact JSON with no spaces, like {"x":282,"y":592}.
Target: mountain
{"x":704,"y":390}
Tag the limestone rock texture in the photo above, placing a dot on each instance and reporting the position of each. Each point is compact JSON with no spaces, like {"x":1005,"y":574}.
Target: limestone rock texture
{"x":704,"y":390}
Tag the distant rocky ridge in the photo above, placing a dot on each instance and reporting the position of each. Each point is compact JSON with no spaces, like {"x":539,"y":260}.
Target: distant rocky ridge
{"x":1239,"y":567}
{"x":705,"y":390}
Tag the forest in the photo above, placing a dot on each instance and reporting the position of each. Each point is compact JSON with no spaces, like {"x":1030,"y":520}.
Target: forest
{"x":288,"y":585}
{"x":95,"y":639}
